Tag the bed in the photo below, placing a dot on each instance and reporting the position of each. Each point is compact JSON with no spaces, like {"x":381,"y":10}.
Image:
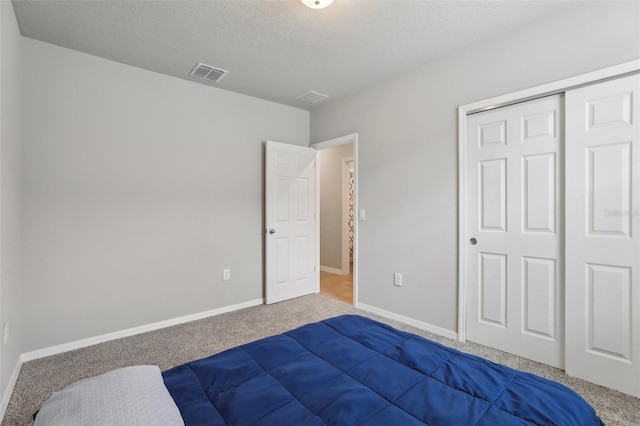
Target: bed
{"x":353,"y":370}
{"x":347,"y":370}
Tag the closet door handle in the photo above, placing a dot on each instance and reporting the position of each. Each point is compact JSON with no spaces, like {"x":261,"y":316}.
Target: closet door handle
{"x":473,"y":241}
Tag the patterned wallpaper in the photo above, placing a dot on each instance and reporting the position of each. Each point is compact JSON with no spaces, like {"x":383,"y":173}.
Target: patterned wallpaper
{"x":351,"y":208}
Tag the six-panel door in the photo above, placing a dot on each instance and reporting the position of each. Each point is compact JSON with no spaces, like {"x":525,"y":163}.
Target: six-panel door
{"x":290,"y":204}
{"x":602,"y":242}
{"x":515,"y":286}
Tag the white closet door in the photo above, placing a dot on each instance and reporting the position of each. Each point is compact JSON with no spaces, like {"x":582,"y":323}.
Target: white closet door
{"x":602,"y":234}
{"x":515,"y":289}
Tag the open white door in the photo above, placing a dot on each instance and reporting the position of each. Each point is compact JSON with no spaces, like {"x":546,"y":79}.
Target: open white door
{"x":603,"y":234}
{"x":290,"y":203}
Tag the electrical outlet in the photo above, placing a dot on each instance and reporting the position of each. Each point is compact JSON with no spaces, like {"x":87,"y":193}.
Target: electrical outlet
{"x":5,"y":332}
{"x":397,"y":279}
{"x":226,"y":274}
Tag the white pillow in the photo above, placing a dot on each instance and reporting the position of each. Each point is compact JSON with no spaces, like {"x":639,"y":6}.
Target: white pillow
{"x":127,"y":396}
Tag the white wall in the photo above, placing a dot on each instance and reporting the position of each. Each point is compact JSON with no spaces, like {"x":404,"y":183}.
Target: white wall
{"x":330,"y":160}
{"x":407,"y":130}
{"x":139,"y":189}
{"x":10,"y":192}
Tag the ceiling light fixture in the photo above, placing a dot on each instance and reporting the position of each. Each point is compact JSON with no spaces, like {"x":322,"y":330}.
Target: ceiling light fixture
{"x":316,"y":4}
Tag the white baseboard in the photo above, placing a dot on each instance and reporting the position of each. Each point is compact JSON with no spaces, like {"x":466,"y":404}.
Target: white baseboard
{"x":6,"y":397}
{"x":331,"y":270}
{"x":90,"y":341}
{"x":410,"y":321}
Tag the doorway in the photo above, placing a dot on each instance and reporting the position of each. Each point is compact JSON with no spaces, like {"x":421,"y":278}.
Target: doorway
{"x":337,"y":195}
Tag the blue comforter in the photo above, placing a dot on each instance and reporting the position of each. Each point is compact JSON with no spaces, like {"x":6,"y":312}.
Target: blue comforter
{"x":351,"y":370}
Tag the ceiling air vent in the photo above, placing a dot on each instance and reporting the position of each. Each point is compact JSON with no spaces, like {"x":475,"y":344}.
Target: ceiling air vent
{"x":312,"y":97}
{"x":208,"y":72}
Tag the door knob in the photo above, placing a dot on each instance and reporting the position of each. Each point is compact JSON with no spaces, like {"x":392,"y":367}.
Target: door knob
{"x":272,"y":231}
{"x":473,"y":241}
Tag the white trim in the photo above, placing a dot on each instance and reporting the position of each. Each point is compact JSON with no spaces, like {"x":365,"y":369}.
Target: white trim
{"x":331,"y":270}
{"x":356,"y":226}
{"x":444,"y":332}
{"x":316,"y":216}
{"x":83,"y":343}
{"x":6,"y":397}
{"x":552,"y":88}
{"x":462,"y":224}
{"x":352,"y":138}
{"x":342,"y":140}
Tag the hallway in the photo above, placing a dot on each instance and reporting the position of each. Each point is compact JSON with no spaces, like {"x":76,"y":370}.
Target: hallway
{"x":339,"y":287}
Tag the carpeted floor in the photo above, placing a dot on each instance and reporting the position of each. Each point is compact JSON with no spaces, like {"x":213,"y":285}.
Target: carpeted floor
{"x":176,"y":345}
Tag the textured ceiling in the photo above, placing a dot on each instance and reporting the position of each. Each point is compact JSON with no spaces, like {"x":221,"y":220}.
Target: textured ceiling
{"x":276,"y":49}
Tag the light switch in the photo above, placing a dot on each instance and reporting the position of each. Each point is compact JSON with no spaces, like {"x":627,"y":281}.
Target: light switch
{"x":397,"y":279}
{"x":361,"y":214}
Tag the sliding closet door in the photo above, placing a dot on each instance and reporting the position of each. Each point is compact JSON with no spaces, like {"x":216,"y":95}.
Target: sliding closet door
{"x":514,"y":226}
{"x":603,"y":234}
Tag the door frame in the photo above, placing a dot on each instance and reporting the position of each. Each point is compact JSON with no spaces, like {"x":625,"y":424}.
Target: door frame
{"x":552,"y":88}
{"x":341,"y":140}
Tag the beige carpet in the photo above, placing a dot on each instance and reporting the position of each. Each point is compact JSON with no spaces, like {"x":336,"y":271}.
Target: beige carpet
{"x":176,"y":345}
